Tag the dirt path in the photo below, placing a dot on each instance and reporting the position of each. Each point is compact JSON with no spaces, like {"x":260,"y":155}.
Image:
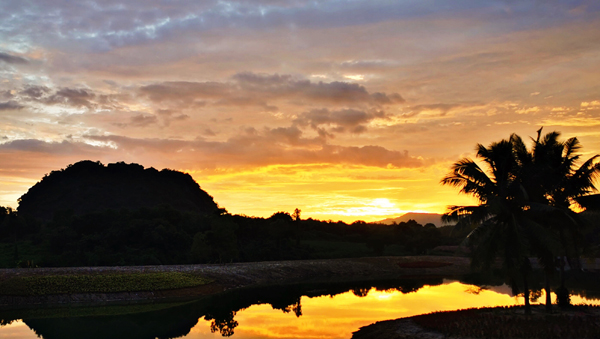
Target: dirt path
{"x":227,"y":276}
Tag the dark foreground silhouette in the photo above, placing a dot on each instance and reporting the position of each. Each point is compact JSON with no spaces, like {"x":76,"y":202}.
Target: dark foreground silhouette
{"x":89,"y":214}
{"x":90,"y":187}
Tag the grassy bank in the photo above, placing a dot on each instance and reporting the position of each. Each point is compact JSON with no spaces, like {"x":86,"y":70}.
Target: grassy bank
{"x":509,"y":322}
{"x":98,"y":283}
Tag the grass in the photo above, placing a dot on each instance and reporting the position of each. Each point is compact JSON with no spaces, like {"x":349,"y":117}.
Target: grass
{"x":98,"y":283}
{"x":510,"y":322}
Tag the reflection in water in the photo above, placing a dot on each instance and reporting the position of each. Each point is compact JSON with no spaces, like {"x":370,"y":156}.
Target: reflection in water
{"x":299,"y":311}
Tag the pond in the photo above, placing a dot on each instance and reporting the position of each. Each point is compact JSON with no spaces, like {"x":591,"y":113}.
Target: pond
{"x":297,"y":311}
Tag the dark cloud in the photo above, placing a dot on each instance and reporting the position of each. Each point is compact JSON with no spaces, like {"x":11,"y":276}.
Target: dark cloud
{"x":209,"y":132}
{"x":262,"y":81}
{"x":335,"y":92}
{"x":185,"y":91}
{"x":250,"y":89}
{"x":35,"y":92}
{"x":6,"y":95}
{"x":10,"y":105}
{"x":314,"y":92}
{"x":340,"y":120}
{"x":168,"y":116}
{"x":13,"y":59}
{"x":291,"y":135}
{"x":72,"y":97}
{"x":246,"y":102}
{"x":39,"y":146}
{"x":181,"y":117}
{"x":384,"y":99}
{"x":143,"y":120}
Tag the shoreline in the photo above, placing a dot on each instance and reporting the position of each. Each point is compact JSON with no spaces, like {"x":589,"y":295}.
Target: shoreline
{"x":578,"y":321}
{"x":239,"y":275}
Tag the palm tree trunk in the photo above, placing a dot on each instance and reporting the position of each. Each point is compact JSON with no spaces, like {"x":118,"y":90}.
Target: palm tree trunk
{"x":526,"y":294}
{"x":548,"y":295}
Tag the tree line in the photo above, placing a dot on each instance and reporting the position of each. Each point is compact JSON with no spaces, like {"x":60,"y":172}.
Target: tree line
{"x":163,"y":235}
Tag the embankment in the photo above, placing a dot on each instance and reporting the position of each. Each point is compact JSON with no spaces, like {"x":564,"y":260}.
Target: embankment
{"x":237,"y":275}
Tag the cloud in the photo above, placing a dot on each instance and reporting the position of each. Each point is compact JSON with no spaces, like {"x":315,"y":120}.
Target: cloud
{"x":142,"y":120}
{"x":12,"y":59}
{"x":340,"y":120}
{"x":169,"y":116}
{"x":435,"y":109}
{"x":250,"y":89}
{"x":367,"y":66}
{"x":252,"y":148}
{"x":35,"y":92}
{"x":10,"y":105}
{"x":40,"y":146}
{"x":185,"y":91}
{"x":335,"y":92}
{"x":137,"y":22}
{"x":72,"y":97}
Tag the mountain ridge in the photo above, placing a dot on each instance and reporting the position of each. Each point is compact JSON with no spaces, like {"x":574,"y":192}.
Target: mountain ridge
{"x":421,"y":218}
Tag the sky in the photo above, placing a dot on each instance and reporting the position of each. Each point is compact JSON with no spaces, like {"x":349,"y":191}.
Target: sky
{"x":348,"y":110}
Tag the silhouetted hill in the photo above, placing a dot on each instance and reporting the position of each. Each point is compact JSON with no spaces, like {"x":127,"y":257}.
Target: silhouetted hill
{"x":88,"y":187}
{"x":421,"y":218}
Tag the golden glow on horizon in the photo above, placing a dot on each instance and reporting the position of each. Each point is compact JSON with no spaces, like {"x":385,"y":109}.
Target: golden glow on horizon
{"x":325,"y":191}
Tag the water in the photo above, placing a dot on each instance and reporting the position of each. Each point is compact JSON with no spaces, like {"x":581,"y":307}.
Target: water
{"x":302,"y":311}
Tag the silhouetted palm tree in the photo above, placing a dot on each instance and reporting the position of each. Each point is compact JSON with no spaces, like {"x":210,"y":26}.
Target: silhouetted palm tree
{"x":556,"y":181}
{"x":503,"y":226}
{"x":525,"y":198}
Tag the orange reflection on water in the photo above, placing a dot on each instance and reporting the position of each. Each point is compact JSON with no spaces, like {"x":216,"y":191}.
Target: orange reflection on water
{"x":17,"y":330}
{"x":339,"y":316}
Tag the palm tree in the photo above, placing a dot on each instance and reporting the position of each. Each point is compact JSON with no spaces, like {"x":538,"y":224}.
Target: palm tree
{"x":556,"y":181}
{"x":521,"y":191}
{"x":503,"y":226}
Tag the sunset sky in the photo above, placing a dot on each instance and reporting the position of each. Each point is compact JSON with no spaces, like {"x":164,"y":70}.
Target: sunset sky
{"x":345,"y":109}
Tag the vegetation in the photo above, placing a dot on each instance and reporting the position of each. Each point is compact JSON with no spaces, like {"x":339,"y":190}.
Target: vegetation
{"x":90,"y":187}
{"x":524,"y":199}
{"x":500,"y":322}
{"x":98,"y":283}
{"x":164,"y":235}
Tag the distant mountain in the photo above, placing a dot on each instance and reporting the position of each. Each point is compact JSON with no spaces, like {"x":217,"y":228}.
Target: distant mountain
{"x":421,"y":218}
{"x":88,"y":186}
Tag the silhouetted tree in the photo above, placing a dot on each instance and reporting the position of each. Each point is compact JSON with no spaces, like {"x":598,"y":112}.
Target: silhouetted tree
{"x":553,"y":179}
{"x":88,"y":187}
{"x":503,"y":227}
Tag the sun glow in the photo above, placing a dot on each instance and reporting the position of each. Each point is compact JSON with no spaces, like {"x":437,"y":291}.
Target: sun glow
{"x":326,"y":191}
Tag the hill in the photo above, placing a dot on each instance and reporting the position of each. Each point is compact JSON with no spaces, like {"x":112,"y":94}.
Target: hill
{"x":421,"y":218}
{"x":88,"y":187}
